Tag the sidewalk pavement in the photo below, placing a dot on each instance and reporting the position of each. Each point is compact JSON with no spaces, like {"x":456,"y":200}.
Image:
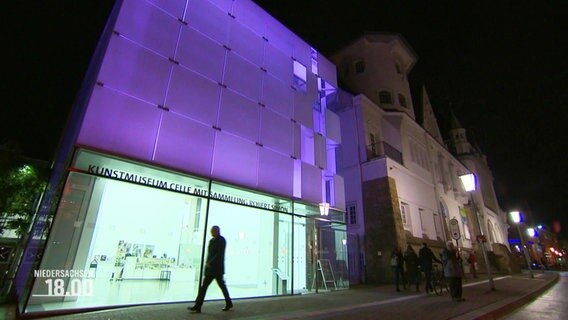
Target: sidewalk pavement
{"x":363,"y":302}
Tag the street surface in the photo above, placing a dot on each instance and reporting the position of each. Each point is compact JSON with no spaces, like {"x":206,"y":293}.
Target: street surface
{"x":550,"y":306}
{"x":368,"y":302}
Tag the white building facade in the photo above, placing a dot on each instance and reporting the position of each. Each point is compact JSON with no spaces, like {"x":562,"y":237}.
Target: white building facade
{"x":404,"y":186}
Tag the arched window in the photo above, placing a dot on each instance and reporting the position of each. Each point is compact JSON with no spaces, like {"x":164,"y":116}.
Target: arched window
{"x":385,"y":97}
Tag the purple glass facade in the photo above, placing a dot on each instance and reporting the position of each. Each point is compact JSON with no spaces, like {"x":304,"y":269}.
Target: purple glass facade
{"x":207,"y":87}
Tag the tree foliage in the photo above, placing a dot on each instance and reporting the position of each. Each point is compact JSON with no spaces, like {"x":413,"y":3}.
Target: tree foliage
{"x":21,"y":185}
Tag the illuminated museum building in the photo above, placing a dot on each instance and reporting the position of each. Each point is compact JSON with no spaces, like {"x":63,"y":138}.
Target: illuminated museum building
{"x":193,"y":114}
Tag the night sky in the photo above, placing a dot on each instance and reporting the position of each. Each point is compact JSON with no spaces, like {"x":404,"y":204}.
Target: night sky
{"x":501,"y":66}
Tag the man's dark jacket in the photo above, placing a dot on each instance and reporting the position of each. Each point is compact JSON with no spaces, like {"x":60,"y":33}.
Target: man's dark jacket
{"x":426,"y":257}
{"x":215,"y":264}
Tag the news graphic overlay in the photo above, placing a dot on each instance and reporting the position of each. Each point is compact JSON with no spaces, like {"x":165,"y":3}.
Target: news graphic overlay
{"x":64,"y":283}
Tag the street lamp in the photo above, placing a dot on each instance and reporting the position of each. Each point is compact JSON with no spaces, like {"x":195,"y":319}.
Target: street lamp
{"x":324,"y":208}
{"x":531,"y":232}
{"x":517,"y":219}
{"x":469,"y":184}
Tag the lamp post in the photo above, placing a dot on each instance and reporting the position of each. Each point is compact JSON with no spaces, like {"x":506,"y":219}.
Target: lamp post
{"x":517,"y":219}
{"x":469,"y":184}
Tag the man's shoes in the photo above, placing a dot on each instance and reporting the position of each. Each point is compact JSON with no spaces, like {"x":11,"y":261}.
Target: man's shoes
{"x":227,"y":307}
{"x":194,"y":309}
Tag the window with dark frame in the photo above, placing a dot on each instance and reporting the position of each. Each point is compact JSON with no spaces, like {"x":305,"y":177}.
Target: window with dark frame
{"x":385,"y":97}
{"x":359,"y":66}
{"x":373,"y":146}
{"x":351,"y":213}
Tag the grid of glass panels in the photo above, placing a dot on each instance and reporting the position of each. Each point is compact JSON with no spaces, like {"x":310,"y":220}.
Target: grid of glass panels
{"x":171,"y":92}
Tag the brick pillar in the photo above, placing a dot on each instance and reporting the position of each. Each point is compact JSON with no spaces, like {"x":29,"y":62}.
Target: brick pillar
{"x":383,"y":228}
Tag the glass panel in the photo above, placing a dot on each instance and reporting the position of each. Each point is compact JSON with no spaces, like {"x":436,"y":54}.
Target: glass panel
{"x":302,"y":52}
{"x":278,"y":96}
{"x":149,"y":26}
{"x":308,"y":145}
{"x":320,"y":151}
{"x":174,"y":7}
{"x":250,"y":14}
{"x":245,"y":42}
{"x":135,"y":71}
{"x":276,"y":172}
{"x":193,"y":96}
{"x":258,"y":258}
{"x":236,"y":68}
{"x":224,"y":5}
{"x":208,"y":19}
{"x":303,"y":107}
{"x":311,"y":183}
{"x":201,"y":54}
{"x":279,"y":36}
{"x":239,"y":115}
{"x":307,"y":210}
{"x":332,"y":126}
{"x":303,"y":253}
{"x":230,"y":153}
{"x":105,"y":232}
{"x":332,"y":264}
{"x":118,"y":123}
{"x":336,"y":215}
{"x":281,"y":139}
{"x":278,"y":64}
{"x":325,"y":252}
{"x":185,"y":144}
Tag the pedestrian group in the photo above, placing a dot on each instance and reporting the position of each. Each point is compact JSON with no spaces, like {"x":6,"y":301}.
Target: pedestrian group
{"x":408,"y":267}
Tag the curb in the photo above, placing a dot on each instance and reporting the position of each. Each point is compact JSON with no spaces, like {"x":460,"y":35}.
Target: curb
{"x":511,"y":306}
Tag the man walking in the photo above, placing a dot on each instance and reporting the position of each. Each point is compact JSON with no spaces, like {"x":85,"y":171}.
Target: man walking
{"x":214,"y":270}
{"x":426,"y":257}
